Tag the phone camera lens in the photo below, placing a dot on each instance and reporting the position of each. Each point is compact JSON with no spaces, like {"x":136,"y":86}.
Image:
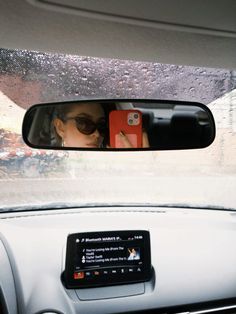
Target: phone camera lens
{"x":136,"y":116}
{"x":130,"y":121}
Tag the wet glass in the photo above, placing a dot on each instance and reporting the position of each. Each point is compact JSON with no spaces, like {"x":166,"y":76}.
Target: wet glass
{"x":204,"y":177}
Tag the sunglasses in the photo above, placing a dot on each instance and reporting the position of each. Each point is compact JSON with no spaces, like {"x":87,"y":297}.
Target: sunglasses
{"x":87,"y":126}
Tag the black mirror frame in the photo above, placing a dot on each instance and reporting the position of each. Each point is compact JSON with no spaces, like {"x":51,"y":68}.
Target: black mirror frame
{"x":128,"y":100}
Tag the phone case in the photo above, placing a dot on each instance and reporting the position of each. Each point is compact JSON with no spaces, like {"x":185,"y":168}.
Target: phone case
{"x":130,"y":123}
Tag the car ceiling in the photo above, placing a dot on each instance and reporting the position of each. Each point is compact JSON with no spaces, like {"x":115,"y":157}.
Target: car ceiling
{"x":199,"y":33}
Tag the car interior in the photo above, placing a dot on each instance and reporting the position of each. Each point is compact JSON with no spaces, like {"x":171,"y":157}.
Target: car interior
{"x":115,"y":256}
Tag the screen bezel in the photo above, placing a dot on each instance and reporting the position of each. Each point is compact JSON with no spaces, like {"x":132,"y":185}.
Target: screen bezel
{"x":145,"y":275}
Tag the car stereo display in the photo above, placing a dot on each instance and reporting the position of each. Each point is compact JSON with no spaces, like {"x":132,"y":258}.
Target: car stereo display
{"x":107,"y":258}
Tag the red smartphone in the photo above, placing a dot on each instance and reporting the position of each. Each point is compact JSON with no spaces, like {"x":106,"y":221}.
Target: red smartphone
{"x":128,"y":122}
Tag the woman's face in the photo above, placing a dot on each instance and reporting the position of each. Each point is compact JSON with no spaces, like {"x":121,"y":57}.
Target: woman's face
{"x":69,"y":132}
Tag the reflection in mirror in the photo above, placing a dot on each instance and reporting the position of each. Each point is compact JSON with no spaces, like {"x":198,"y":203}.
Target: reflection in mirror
{"x":119,"y":124}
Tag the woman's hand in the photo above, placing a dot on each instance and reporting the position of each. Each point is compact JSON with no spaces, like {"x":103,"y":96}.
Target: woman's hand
{"x":126,"y":143}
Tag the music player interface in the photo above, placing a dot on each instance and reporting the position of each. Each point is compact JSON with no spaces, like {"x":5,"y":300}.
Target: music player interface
{"x":108,"y":257}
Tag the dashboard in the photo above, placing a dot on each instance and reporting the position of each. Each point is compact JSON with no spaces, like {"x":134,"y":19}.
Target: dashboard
{"x":187,"y":260}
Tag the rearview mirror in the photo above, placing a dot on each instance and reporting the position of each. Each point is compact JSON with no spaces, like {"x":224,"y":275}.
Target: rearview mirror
{"x":119,"y":125}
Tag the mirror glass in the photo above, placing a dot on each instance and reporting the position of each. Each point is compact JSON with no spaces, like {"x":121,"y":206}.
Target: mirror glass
{"x":119,"y":125}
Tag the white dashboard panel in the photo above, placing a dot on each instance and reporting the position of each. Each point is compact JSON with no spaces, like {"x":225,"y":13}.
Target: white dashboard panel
{"x":7,"y":286}
{"x":192,"y":252}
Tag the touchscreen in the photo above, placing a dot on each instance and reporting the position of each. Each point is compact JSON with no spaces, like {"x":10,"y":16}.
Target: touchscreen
{"x":103,"y":258}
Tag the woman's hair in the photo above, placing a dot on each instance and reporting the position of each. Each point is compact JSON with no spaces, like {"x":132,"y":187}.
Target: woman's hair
{"x":60,"y":112}
{"x":107,"y":107}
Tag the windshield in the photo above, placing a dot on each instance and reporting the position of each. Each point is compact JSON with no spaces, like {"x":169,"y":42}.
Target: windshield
{"x":31,"y":177}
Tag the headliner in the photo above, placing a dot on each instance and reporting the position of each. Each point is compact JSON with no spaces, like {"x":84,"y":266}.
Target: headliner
{"x":184,"y":32}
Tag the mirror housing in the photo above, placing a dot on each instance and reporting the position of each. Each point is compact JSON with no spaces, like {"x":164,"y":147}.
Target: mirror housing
{"x":119,"y":124}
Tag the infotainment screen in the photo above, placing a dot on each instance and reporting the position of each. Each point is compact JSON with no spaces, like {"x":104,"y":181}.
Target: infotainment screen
{"x":107,"y":258}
